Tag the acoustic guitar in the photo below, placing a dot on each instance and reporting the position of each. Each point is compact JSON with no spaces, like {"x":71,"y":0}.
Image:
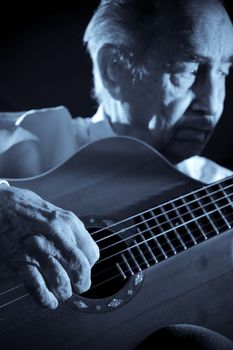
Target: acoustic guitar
{"x":166,"y":252}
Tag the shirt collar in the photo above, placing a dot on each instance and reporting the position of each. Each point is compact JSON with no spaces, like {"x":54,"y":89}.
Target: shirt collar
{"x":100,"y":125}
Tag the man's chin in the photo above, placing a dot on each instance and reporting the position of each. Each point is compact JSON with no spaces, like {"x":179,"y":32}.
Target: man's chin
{"x":182,"y":150}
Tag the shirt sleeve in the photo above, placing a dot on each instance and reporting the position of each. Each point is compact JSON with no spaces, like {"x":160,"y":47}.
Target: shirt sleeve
{"x":203,"y":169}
{"x":35,"y":141}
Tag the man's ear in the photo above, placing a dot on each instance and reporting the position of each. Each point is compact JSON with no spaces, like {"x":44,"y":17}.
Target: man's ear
{"x":111,"y":71}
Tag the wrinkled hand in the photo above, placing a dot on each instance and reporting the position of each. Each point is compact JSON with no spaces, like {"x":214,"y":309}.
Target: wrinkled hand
{"x":48,"y":246}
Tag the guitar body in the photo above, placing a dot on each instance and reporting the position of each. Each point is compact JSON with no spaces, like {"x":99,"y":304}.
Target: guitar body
{"x":103,"y":183}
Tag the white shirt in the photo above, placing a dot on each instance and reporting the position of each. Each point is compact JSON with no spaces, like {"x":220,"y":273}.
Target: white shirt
{"x":35,"y":141}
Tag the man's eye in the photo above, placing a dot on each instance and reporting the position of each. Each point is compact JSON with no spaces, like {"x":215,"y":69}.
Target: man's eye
{"x":224,"y":73}
{"x":194,"y":71}
{"x":191,"y":72}
{"x":186,"y":69}
{"x":183,"y":79}
{"x":184,"y":74}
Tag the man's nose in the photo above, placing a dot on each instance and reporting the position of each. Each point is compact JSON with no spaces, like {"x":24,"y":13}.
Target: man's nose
{"x":208,"y":94}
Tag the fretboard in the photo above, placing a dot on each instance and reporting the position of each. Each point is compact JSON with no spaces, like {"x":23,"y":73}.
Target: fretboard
{"x":179,"y":224}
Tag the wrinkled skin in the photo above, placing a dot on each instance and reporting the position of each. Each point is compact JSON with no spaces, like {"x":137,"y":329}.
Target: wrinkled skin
{"x":175,"y":108}
{"x":47,"y":246}
{"x":178,"y":103}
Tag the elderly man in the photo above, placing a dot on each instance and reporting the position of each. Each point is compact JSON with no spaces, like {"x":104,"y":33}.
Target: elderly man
{"x":159,"y":75}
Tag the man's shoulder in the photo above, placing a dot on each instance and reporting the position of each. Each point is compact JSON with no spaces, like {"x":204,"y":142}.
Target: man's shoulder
{"x":203,"y":169}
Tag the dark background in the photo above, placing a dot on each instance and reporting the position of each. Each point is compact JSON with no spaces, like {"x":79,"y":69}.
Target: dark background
{"x":43,"y":63}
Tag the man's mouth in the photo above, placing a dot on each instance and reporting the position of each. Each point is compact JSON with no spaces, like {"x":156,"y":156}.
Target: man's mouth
{"x":192,"y":134}
{"x":195,"y":129}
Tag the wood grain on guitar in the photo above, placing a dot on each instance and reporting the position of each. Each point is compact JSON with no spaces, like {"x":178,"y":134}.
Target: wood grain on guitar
{"x":166,"y":252}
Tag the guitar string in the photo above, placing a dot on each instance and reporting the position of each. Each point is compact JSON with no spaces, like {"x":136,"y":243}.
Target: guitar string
{"x":166,"y":221}
{"x":165,"y":232}
{"x":118,"y":275}
{"x":130,"y":260}
{"x":159,"y":225}
{"x":98,"y":285}
{"x":14,"y":300}
{"x":153,"y":227}
{"x":194,"y":201}
{"x":157,"y":256}
{"x":11,"y":289}
{"x":162,"y":214}
{"x":168,"y":251}
{"x":171,"y":201}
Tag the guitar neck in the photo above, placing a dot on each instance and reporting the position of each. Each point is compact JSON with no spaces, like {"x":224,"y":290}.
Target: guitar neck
{"x":180,"y":224}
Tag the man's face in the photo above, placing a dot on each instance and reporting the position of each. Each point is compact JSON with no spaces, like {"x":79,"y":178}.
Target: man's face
{"x":181,"y":100}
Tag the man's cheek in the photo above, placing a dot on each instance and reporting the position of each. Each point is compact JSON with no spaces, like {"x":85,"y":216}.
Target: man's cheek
{"x":172,"y":91}
{"x":177,"y":108}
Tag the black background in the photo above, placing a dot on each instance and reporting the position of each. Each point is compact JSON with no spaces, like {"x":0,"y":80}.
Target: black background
{"x":43,"y":63}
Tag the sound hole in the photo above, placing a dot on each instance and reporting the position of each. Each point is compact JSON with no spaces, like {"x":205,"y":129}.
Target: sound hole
{"x":106,"y":277}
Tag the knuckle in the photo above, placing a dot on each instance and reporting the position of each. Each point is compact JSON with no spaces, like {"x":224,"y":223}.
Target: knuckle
{"x":83,"y":267}
{"x":54,"y":214}
{"x":63,"y":290}
{"x":37,"y":242}
{"x":95,"y":254}
{"x":58,"y":280}
{"x":75,"y":219}
{"x":34,"y":239}
{"x":83,"y":284}
{"x":69,"y":215}
{"x":39,"y":290}
{"x":86,"y":286}
{"x":81,"y":270}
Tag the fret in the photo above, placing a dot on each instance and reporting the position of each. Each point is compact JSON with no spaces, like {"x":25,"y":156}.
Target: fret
{"x":184,"y":224}
{"x":177,"y":223}
{"x":195,"y":220}
{"x":206,"y":213}
{"x":222,"y":217}
{"x":155,"y":240}
{"x":161,"y":248}
{"x":127,"y":264}
{"x":134,"y":259}
{"x":163,"y":225}
{"x":192,"y":216}
{"x":225,"y":194}
{"x":180,"y":239}
{"x":228,"y":197}
{"x":223,"y":197}
{"x":147,"y":246}
{"x":227,"y":188}
{"x":121,"y":271}
{"x":165,"y":235}
{"x":138,"y":247}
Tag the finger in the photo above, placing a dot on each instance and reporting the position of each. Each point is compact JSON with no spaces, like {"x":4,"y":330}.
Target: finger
{"x":36,"y":285}
{"x":80,"y":272}
{"x":61,"y":269}
{"x":55,"y":276}
{"x":84,"y":240}
{"x":45,"y":253}
{"x":65,"y":226}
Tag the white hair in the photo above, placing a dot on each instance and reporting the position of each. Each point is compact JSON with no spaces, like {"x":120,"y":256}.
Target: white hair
{"x":129,"y":28}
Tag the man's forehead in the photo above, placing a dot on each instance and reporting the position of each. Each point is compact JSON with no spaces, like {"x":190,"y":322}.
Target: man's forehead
{"x":191,"y":55}
{"x":205,"y":34}
{"x":206,"y":45}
